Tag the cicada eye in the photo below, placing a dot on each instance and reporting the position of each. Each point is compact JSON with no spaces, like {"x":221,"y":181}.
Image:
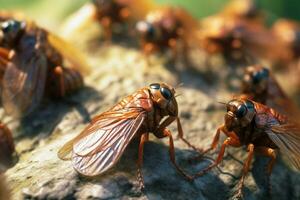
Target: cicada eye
{"x":150,"y":31}
{"x":11,"y":26}
{"x":155,"y":86}
{"x":167,"y":94}
{"x":241,"y":111}
{"x":256,"y":78}
{"x":265,"y":73}
{"x":259,"y":76}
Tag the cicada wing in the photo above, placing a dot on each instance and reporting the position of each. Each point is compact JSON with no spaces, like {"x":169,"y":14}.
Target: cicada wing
{"x":77,"y":59}
{"x":103,"y":142}
{"x":287,"y":138}
{"x":24,"y":83}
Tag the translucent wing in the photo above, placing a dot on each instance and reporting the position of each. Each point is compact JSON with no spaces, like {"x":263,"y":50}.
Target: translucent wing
{"x":24,"y":79}
{"x":70,"y":53}
{"x":287,"y":138}
{"x":102,"y":143}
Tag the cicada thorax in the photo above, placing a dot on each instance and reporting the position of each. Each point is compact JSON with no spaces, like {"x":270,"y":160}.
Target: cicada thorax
{"x":248,"y":119}
{"x":255,"y":132}
{"x":222,"y":34}
{"x":62,"y":81}
{"x":7,"y":148}
{"x":140,"y":99}
{"x":164,"y":26}
{"x":109,"y":10}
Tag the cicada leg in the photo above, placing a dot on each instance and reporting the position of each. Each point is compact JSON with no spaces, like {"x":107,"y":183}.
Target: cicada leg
{"x":173,"y":45}
{"x":67,"y":80}
{"x":230,"y":141}
{"x":144,"y":138}
{"x":245,"y":170}
{"x":107,"y":28}
{"x":213,"y":144}
{"x":148,"y":48}
{"x":162,"y":132}
{"x":168,"y":133}
{"x":180,"y":136}
{"x":269,"y":152}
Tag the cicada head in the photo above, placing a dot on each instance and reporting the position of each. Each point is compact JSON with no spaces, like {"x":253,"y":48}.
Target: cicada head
{"x":146,"y":30}
{"x":240,"y":113}
{"x":10,"y":31}
{"x":163,"y":95}
{"x":255,"y":80}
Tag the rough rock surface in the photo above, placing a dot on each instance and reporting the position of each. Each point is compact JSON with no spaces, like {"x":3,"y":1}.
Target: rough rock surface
{"x":118,"y":71}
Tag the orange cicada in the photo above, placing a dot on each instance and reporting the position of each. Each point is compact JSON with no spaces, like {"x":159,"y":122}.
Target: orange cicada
{"x":32,"y":65}
{"x":262,"y":129}
{"x":100,"y":145}
{"x":260,"y":85}
{"x":7,"y":148}
{"x":113,"y":15}
{"x":287,"y":33}
{"x":167,"y":28}
{"x":234,"y":37}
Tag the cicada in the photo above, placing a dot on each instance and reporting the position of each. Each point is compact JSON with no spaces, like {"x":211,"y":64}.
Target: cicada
{"x":7,"y":148}
{"x":112,"y":15}
{"x":167,"y":28}
{"x":234,"y":38}
{"x":262,"y":129}
{"x":287,"y":33}
{"x":32,"y":64}
{"x":260,"y":85}
{"x":101,"y":144}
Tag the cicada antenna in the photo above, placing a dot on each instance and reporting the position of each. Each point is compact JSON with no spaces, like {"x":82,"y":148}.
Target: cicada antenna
{"x":177,"y":95}
{"x":222,"y":102}
{"x":179,"y":85}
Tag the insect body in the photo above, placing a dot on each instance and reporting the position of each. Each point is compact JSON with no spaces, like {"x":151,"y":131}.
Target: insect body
{"x":100,"y":145}
{"x":113,"y":15}
{"x":287,"y":33}
{"x":111,"y":12}
{"x":260,"y":85}
{"x":7,"y":148}
{"x":32,"y":66}
{"x":166,"y":28}
{"x":233,"y":37}
{"x":262,"y":130}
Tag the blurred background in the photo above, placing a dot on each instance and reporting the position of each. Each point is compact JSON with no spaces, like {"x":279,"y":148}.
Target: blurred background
{"x":52,"y":12}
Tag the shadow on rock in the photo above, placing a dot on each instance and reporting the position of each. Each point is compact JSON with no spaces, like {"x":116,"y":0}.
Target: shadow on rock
{"x":282,"y":180}
{"x":162,"y":181}
{"x":190,"y":77}
{"x":50,"y":113}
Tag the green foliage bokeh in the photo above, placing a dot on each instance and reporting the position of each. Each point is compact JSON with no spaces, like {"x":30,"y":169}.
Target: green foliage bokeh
{"x":56,"y":10}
